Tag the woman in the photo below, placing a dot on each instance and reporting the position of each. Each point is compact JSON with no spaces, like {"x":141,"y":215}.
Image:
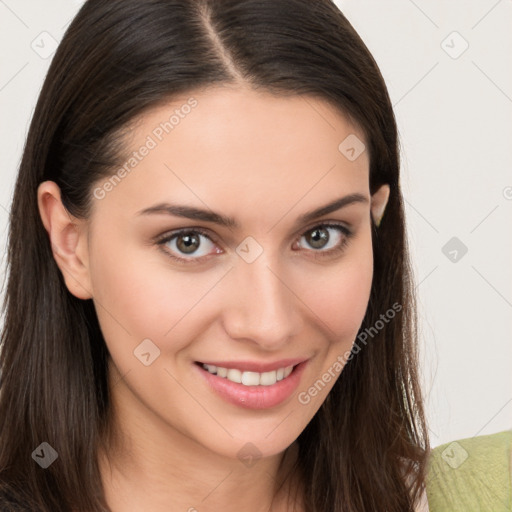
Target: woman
{"x":210,"y":304}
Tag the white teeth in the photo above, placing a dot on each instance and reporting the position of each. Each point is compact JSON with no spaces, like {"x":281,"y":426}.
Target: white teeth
{"x":250,"y":378}
{"x":268,"y":378}
{"x":234,"y":375}
{"x":222,"y":372}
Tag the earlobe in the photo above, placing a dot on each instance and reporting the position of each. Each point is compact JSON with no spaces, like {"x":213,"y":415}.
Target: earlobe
{"x":379,"y":203}
{"x":68,"y":240}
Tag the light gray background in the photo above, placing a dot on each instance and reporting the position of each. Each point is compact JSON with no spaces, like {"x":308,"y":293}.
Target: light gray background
{"x":454,"y":110}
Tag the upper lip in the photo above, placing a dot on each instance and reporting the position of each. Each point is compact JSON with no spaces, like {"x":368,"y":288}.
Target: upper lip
{"x":255,"y":366}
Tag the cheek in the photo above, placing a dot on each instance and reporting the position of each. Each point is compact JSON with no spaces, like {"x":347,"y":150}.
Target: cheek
{"x":340,"y":298}
{"x":137,"y":297}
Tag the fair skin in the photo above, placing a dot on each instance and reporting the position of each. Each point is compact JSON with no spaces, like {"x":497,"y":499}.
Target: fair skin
{"x":264,"y":161}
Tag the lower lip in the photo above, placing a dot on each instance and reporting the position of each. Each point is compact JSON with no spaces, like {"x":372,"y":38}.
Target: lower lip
{"x":254,"y":397}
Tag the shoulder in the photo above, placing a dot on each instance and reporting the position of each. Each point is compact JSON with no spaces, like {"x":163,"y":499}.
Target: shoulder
{"x":471,"y":474}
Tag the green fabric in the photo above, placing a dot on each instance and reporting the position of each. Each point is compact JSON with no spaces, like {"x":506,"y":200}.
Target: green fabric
{"x":471,"y":475}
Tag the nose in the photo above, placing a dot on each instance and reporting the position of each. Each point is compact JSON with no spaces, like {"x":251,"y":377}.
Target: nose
{"x":262,"y":307}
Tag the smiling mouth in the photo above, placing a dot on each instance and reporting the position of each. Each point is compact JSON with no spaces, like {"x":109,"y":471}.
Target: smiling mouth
{"x":248,"y":378}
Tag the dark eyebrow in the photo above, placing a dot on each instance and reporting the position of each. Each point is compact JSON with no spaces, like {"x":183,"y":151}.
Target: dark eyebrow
{"x":191,"y":212}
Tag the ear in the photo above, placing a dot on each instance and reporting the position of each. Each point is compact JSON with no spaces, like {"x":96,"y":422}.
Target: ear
{"x":379,"y":201}
{"x":68,"y":238}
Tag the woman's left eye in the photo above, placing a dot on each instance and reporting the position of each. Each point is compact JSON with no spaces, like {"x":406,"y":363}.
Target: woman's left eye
{"x":190,"y":242}
{"x":319,"y":237}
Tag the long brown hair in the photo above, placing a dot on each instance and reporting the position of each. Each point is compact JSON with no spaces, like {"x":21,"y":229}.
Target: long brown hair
{"x":117,"y":59}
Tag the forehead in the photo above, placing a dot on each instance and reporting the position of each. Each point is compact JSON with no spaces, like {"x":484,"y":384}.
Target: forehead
{"x":227,"y":143}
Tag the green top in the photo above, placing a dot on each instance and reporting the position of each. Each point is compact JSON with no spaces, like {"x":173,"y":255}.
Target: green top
{"x":472,"y":475}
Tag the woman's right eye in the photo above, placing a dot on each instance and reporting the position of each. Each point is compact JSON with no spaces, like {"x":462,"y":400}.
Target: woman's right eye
{"x":194,"y":242}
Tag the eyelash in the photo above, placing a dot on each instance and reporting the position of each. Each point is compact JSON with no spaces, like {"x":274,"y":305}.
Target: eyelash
{"x":317,"y":254}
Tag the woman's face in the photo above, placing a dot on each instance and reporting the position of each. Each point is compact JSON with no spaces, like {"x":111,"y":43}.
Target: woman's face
{"x":275,"y":288}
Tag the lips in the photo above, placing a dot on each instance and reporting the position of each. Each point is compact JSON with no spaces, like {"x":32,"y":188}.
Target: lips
{"x":246,"y":393}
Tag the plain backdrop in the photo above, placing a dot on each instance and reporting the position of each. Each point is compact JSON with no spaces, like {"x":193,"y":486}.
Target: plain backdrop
{"x":447,"y":67}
